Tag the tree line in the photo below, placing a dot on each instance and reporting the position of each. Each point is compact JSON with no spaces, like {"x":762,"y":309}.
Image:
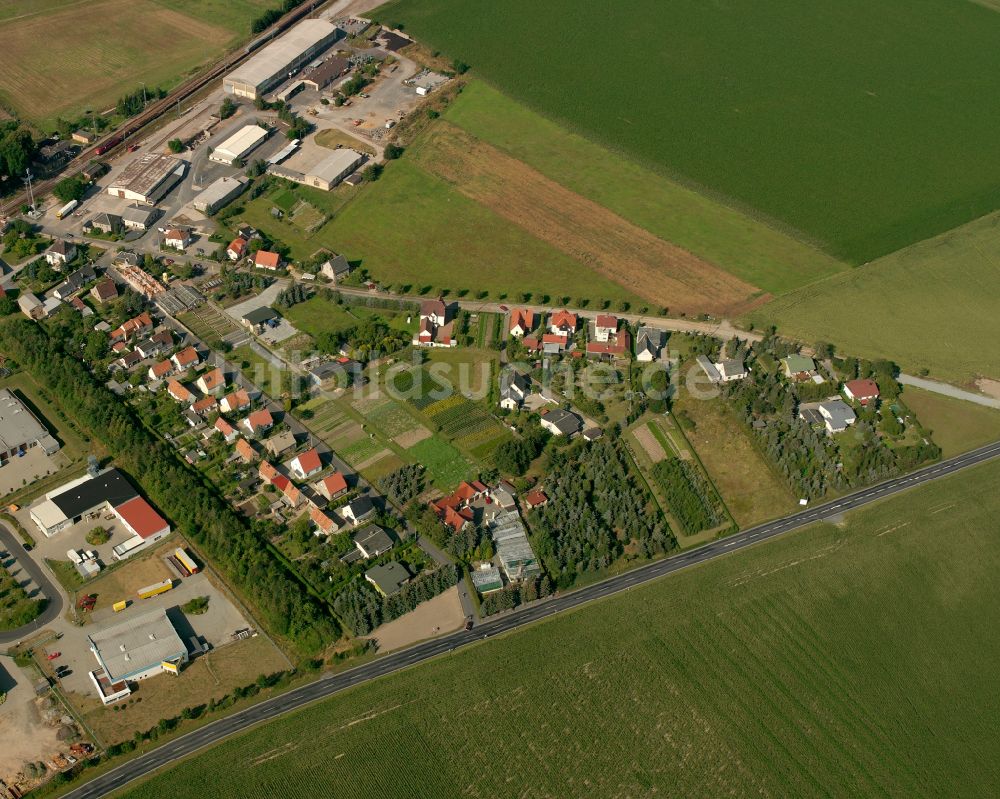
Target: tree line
{"x":363,"y":609}
{"x":194,"y":505}
{"x":688,"y":496}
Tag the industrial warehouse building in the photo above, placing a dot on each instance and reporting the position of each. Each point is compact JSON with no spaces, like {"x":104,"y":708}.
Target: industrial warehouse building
{"x":333,"y":169}
{"x":20,"y":430}
{"x":245,"y":140}
{"x":281,"y":59}
{"x":148,"y":178}
{"x":133,"y":650}
{"x":219,"y":194}
{"x":93,"y":495}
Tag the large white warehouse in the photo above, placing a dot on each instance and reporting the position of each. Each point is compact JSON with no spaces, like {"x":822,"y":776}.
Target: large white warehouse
{"x":239,"y":144}
{"x":280,"y":59}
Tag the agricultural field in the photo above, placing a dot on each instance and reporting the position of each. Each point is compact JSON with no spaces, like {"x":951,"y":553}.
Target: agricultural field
{"x":208,"y":323}
{"x":928,"y":306}
{"x":788,"y":135}
{"x":95,"y":52}
{"x":739,"y":243}
{"x":327,"y":419}
{"x":755,"y":673}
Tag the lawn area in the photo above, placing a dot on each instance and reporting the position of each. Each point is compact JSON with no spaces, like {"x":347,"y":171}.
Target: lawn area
{"x":331,"y":137}
{"x":413,"y":229}
{"x":317,"y":315}
{"x":445,"y":465}
{"x":16,"y":607}
{"x":88,"y":63}
{"x":739,"y":243}
{"x":467,"y":368}
{"x":957,"y":425}
{"x":930,"y":306}
{"x":748,"y":485}
{"x":264,"y":374}
{"x":828,"y":662}
{"x":771,"y":104}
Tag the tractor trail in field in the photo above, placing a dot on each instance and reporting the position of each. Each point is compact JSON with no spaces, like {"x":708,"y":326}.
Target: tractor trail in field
{"x":652,"y":268}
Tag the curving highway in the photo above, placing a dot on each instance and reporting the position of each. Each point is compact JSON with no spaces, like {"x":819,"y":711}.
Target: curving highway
{"x":331,"y":684}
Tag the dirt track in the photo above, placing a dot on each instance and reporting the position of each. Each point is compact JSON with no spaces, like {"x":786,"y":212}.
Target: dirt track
{"x":656,"y":270}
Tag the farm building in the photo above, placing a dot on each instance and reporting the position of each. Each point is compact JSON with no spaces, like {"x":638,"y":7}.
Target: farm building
{"x":133,"y":650}
{"x":148,"y":178}
{"x":20,"y":430}
{"x":281,"y":59}
{"x":219,"y":195}
{"x":244,"y":141}
{"x":334,"y":168}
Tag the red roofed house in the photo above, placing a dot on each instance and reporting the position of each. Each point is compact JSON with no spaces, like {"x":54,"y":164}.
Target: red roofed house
{"x":145,"y":524}
{"x":236,"y":249}
{"x":605,"y":327}
{"x":267,"y":260}
{"x":138,"y":326}
{"x":325,"y":524}
{"x":104,"y":290}
{"x":563,"y":322}
{"x":332,"y":486}
{"x":306,"y":465}
{"x":454,"y":509}
{"x":617,"y":347}
{"x":522,"y":321}
{"x":280,"y":482}
{"x":186,"y":358}
{"x":457,"y":519}
{"x":180,"y":392}
{"x":245,"y":450}
{"x":267,"y":473}
{"x":160,"y":370}
{"x":228,"y":431}
{"x":863,"y":391}
{"x":293,"y":496}
{"x":176,"y":238}
{"x":535,"y":499}
{"x":238,"y":401}
{"x":205,"y":405}
{"x":258,"y":422}
{"x":211,"y":382}
{"x":435,"y":330}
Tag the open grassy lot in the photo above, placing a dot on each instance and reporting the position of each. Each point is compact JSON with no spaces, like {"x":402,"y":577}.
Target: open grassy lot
{"x":771,"y":104}
{"x":828,"y":662}
{"x":931,"y":305}
{"x":332,"y":138}
{"x":444,"y":464}
{"x":264,"y":374}
{"x":957,"y":425}
{"x":753,"y":251}
{"x":317,"y":315}
{"x":748,"y":485}
{"x":94,"y":52}
{"x":413,"y":229}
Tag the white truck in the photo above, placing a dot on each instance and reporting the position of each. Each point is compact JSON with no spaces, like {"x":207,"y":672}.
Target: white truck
{"x":67,"y":209}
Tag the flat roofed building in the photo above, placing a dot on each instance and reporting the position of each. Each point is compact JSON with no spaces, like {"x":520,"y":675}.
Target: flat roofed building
{"x":280,"y":59}
{"x":80,"y":497}
{"x":148,"y":178}
{"x":239,"y":144}
{"x":219,"y":194}
{"x":20,"y":430}
{"x":326,"y":73}
{"x":137,"y":648}
{"x":334,"y":168}
{"x":388,"y":578}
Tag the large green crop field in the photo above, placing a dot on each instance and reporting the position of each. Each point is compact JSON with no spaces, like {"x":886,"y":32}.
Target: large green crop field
{"x":62,"y":58}
{"x":866,"y":125}
{"x":932,"y":305}
{"x":849,"y":660}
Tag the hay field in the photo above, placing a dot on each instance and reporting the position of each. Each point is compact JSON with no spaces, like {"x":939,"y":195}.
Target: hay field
{"x":932,"y":305}
{"x":827,"y":663}
{"x":661,"y":273}
{"x":742,"y":245}
{"x":60,"y":59}
{"x":865,"y":125}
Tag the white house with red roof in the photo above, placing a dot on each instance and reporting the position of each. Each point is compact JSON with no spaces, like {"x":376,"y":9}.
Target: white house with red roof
{"x":332,"y":486}
{"x":563,"y":322}
{"x":229,"y":433}
{"x":521,"y":322}
{"x":145,"y":524}
{"x":177,"y":238}
{"x":435,"y":329}
{"x":235,"y":402}
{"x":306,"y":464}
{"x":185,"y":359}
{"x":862,"y":391}
{"x":264,"y":259}
{"x":605,"y":327}
{"x":137,"y":326}
{"x":237,"y":248}
{"x":211,"y":382}
{"x":258,"y":422}
{"x":160,"y":370}
{"x":326,"y":523}
{"x":180,"y":392}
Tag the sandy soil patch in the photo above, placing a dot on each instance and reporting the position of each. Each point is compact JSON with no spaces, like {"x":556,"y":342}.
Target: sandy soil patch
{"x":646,"y":439}
{"x":411,"y":437}
{"x":25,"y":735}
{"x":439,"y":615}
{"x":659,"y":271}
{"x":991,"y":388}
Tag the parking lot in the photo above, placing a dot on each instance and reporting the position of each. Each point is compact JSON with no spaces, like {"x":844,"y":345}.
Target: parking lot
{"x":29,"y":467}
{"x":284,"y":330}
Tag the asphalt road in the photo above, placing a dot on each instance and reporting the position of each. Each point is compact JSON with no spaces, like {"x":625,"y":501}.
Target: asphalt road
{"x":329,"y":685}
{"x":10,"y":542}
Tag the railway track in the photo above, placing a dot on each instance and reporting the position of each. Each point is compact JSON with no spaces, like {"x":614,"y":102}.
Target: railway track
{"x":153,"y":111}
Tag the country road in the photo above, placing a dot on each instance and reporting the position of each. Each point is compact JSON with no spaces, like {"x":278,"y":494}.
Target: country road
{"x":332,"y":684}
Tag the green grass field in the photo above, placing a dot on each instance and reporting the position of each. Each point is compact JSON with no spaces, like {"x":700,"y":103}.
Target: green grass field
{"x":404,"y":230}
{"x":866,"y":125}
{"x":445,"y":465}
{"x":829,"y":662}
{"x":957,"y":425}
{"x":929,"y":306}
{"x":316,"y":316}
{"x":748,"y":248}
{"x":95,"y":52}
